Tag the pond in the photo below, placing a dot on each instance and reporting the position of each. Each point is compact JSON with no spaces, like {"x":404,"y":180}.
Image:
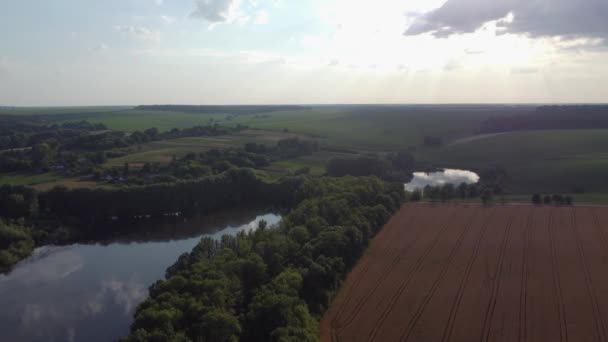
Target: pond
{"x":454,"y":176}
{"x":88,"y":292}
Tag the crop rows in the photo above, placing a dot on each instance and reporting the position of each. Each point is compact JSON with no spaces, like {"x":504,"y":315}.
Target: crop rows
{"x":470,"y":273}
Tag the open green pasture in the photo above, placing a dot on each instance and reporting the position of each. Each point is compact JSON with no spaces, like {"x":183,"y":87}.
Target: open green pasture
{"x":548,"y":160}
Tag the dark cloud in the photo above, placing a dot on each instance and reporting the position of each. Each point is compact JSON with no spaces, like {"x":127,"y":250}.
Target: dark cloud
{"x":535,"y":18}
{"x":216,"y":11}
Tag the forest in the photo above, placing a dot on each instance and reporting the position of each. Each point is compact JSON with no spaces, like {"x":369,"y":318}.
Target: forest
{"x":275,"y":283}
{"x":550,"y":117}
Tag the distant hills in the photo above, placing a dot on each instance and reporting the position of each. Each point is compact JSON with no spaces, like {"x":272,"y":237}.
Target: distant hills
{"x":236,"y":110}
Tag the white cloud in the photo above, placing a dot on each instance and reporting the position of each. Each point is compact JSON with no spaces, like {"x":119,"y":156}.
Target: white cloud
{"x":167,"y":19}
{"x":3,"y":66}
{"x":139,"y":32}
{"x":239,"y":12}
{"x":102,"y":47}
{"x":218,"y":11}
{"x":261,"y":18}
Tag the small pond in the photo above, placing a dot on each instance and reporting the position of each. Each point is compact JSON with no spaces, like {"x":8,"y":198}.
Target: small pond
{"x":453,"y":176}
{"x":88,"y":292}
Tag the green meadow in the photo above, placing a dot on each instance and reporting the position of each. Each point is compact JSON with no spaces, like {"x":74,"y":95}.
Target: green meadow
{"x":535,"y":161}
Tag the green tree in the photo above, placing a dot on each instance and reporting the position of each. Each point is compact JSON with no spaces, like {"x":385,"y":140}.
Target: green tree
{"x":416,"y":196}
{"x":463,"y":190}
{"x":218,"y":326}
{"x":42,"y":155}
{"x":487,"y":196}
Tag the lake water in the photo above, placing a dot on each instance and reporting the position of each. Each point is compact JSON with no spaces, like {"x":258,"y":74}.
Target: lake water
{"x":453,"y":176}
{"x":88,"y":292}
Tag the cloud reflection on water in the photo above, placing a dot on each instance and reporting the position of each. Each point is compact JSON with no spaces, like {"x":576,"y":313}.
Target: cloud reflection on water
{"x":453,"y":176}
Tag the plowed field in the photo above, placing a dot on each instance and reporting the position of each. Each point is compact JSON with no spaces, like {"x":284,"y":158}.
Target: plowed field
{"x":468,"y":273}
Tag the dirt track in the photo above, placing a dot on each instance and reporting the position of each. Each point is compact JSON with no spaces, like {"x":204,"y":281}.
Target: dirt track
{"x":467,"y":273}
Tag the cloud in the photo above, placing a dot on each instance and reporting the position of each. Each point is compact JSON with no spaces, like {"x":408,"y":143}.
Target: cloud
{"x":167,"y":19}
{"x":139,"y":33}
{"x":218,"y":11}
{"x":261,"y":18}
{"x":3,"y":66}
{"x":525,"y":70}
{"x":48,"y":265}
{"x":99,"y":48}
{"x":540,"y":18}
{"x":125,"y":294}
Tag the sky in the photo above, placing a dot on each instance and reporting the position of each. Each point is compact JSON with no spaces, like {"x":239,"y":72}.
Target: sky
{"x":129,"y":52}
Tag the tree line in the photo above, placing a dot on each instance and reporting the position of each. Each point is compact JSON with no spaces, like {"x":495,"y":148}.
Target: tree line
{"x":272,"y":284}
{"x":447,"y":192}
{"x":550,"y":117}
{"x":397,"y":166}
{"x":556,"y":199}
{"x":211,"y":162}
{"x":61,"y":215}
{"x":77,"y":148}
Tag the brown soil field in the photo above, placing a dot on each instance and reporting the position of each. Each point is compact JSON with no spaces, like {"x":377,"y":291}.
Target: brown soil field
{"x":463,"y":272}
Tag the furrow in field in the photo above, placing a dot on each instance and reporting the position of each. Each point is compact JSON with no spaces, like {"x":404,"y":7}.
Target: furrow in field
{"x":557,"y":285}
{"x":435,"y":310}
{"x":590,"y":247}
{"x":454,"y":259}
{"x":468,"y":273}
{"x":435,"y":253}
{"x":378,"y":292}
{"x":542,"y":320}
{"x":470,"y":314}
{"x":348,"y":299}
{"x":523,"y":293}
{"x":392,"y":254}
{"x":503,"y":320}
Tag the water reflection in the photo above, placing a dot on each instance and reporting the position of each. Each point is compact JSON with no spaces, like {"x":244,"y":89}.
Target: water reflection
{"x":89,"y":292}
{"x":422,"y":179}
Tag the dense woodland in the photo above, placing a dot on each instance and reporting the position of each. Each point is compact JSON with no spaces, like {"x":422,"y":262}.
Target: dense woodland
{"x":550,"y":117}
{"x":78,"y":148}
{"x":272,"y":284}
{"x":190,"y":185}
{"x":394,"y":167}
{"x":209,"y":163}
{"x":62,"y":215}
{"x":16,"y":243}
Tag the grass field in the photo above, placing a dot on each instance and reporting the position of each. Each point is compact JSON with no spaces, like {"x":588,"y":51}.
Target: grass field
{"x":382,"y":128}
{"x":551,"y":161}
{"x":535,"y":161}
{"x":28,"y":179}
{"x":163,"y":151}
{"x":469,"y":273}
{"x":370,"y":127}
{"x":44,"y":181}
{"x":92,"y":110}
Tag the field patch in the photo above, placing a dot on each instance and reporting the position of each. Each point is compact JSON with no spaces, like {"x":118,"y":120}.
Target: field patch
{"x":470,"y":273}
{"x":534,"y":161}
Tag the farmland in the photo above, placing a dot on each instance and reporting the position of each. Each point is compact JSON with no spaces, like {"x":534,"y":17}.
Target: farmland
{"x":543,"y":160}
{"x":469,"y":273}
{"x":564,"y":161}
